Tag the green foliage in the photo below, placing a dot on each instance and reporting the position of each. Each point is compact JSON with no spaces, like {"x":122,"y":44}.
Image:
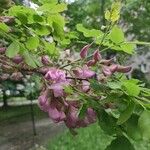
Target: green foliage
{"x":144,"y":122}
{"x":13,"y":49}
{"x":88,"y":138}
{"x":32,"y":43}
{"x":94,"y":138}
{"x":4,"y":27}
{"x":32,"y":27}
{"x":116,"y":35}
{"x":126,"y":114}
{"x":114,"y":14}
{"x":89,"y":33}
{"x":120,"y":143}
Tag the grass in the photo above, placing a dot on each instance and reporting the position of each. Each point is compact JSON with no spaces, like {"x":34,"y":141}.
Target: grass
{"x":90,"y":138}
{"x":19,"y":113}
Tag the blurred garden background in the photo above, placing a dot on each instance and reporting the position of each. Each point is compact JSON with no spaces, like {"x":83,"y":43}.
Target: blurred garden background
{"x":24,"y":126}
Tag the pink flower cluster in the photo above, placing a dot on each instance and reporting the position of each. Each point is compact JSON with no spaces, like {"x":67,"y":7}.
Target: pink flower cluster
{"x":108,"y":66}
{"x":53,"y":100}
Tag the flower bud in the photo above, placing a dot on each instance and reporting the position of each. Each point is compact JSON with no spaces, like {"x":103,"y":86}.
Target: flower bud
{"x":113,"y":68}
{"x":44,"y":70}
{"x":84,"y":51}
{"x":97,"y":56}
{"x":2,"y":50}
{"x":124,"y":69}
{"x":106,"y":71}
{"x":91,"y":63}
{"x":17,"y":59}
{"x":107,"y":62}
{"x":45,"y":60}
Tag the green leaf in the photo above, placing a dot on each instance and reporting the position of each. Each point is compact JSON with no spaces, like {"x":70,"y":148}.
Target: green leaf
{"x":53,"y":8}
{"x":120,"y":143}
{"x":68,"y":89}
{"x":144,"y":124}
{"x":12,"y":50}
{"x":32,"y":43}
{"x":115,"y":11}
{"x":42,"y":30}
{"x":89,"y":33}
{"x":48,"y":1}
{"x":114,"y":85}
{"x":128,"y":47}
{"x":51,"y":49}
{"x":58,"y":25}
{"x":126,"y":114}
{"x":107,"y":15}
{"x":107,"y":123}
{"x":116,"y":35}
{"x":132,"y":128}
{"x":131,"y":87}
{"x":29,"y":59}
{"x":82,"y":111}
{"x":138,"y":43}
{"x":4,"y":27}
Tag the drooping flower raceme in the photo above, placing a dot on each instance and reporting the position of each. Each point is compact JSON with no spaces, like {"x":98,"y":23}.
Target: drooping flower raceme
{"x":55,"y":101}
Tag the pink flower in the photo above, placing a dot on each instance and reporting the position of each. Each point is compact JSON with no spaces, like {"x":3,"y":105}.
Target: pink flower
{"x":55,"y":111}
{"x":71,"y":118}
{"x":113,"y":68}
{"x":45,"y":60}
{"x":43,"y":101}
{"x":84,"y":73}
{"x":84,"y":51}
{"x":17,"y":59}
{"x":44,"y":70}
{"x":124,"y":69}
{"x":91,"y":63}
{"x":90,"y":117}
{"x":106,"y":71}
{"x":109,"y":70}
{"x":55,"y":75}
{"x":73,"y":121}
{"x":107,"y":62}
{"x":85,"y":86}
{"x":58,"y":88}
{"x":97,"y":56}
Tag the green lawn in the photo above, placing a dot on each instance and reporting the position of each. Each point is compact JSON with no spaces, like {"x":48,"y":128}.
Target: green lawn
{"x":90,"y":138}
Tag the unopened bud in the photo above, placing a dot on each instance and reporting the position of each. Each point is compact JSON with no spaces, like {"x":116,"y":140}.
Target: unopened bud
{"x":17,"y":59}
{"x":107,"y":62}
{"x":84,"y":51}
{"x":124,"y":69}
{"x":45,"y":60}
{"x":97,"y":56}
{"x":91,"y":63}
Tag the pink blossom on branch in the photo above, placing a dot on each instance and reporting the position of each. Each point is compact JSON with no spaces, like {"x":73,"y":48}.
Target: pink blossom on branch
{"x":17,"y":59}
{"x":84,"y":72}
{"x":55,"y":75}
{"x":84,"y":51}
{"x":97,"y":56}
